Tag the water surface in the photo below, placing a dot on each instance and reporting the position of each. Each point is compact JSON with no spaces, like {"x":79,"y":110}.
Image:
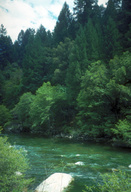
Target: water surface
{"x":84,"y":161}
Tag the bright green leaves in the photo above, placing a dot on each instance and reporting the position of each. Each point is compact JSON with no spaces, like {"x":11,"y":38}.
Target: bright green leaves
{"x":40,"y":109}
{"x":121,"y":68}
{"x":104,"y":98}
{"x":22,"y":110}
{"x":13,"y":166}
{"x":112,"y":182}
{"x":121,"y":71}
{"x":5,"y":115}
{"x":46,"y":112}
{"x":91,"y":99}
{"x":43,"y":109}
{"x":122,"y":130}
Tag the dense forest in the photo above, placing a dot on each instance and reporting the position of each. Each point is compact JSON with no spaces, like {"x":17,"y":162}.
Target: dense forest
{"x":73,"y":81}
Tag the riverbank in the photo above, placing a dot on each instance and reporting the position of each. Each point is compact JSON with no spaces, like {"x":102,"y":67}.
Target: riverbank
{"x":105,"y":140}
{"x":75,"y":137}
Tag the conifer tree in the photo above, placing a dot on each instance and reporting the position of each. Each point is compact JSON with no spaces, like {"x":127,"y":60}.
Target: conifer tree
{"x":3,"y":31}
{"x":78,"y":62}
{"x":83,"y":10}
{"x":112,"y":35}
{"x":125,"y":23}
{"x":63,"y":25}
{"x":6,"y":45}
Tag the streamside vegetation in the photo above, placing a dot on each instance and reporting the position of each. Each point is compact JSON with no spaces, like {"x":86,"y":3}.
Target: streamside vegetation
{"x":13,"y":167}
{"x":75,"y":80}
{"x":115,"y":182}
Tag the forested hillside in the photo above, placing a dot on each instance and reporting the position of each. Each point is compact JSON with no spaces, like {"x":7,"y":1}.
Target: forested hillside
{"x":75,"y":80}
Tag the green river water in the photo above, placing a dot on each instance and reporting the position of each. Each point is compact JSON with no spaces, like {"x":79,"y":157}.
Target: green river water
{"x":84,"y":161}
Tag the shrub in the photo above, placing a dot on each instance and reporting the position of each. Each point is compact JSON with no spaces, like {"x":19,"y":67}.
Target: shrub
{"x":115,"y":182}
{"x":22,"y":109}
{"x":122,"y":131}
{"x":13,"y":166}
{"x":5,"y":115}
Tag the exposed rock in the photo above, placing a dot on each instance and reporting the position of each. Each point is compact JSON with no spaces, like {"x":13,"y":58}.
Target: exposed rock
{"x":77,"y":155}
{"x":55,"y":183}
{"x":79,"y":163}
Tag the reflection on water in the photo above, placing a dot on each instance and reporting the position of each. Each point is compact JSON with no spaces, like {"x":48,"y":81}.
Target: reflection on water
{"x":84,"y":161}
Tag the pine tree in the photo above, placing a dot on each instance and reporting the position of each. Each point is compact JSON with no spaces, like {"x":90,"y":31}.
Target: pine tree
{"x":6,"y":46}
{"x":3,"y":31}
{"x":83,"y":10}
{"x":63,"y":25}
{"x":60,"y":61}
{"x":125,"y":23}
{"x":78,"y":63}
{"x":112,"y":35}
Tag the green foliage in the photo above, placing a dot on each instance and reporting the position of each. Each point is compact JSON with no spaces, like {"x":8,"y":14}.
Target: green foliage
{"x":63,"y":25}
{"x":6,"y":51}
{"x":3,"y":31}
{"x":104,"y":98}
{"x":11,"y":86}
{"x":40,"y":108}
{"x":90,"y":76}
{"x":82,"y":10}
{"x":115,"y":182}
{"x":93,"y":110}
{"x":33,"y":67}
{"x":5,"y":115}
{"x":94,"y":40}
{"x":60,"y":61}
{"x":112,"y":39}
{"x":77,"y":63}
{"x":121,"y":68}
{"x":13,"y":166}
{"x":122,"y":131}
{"x":44,"y":112}
{"x":22,"y":110}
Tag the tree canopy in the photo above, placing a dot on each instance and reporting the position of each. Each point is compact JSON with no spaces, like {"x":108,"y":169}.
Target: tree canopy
{"x":73,"y":80}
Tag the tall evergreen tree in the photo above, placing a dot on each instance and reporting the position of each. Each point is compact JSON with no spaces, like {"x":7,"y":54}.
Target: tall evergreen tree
{"x":63,"y":25}
{"x":60,"y":61}
{"x":94,"y":39}
{"x":83,"y":10}
{"x":112,"y":35}
{"x":6,"y":46}
{"x":78,"y":62}
{"x":24,"y":38}
{"x":125,"y":23}
{"x":112,"y":39}
{"x":35,"y":64}
{"x":3,"y":31}
{"x":21,"y":37}
{"x":45,"y":37}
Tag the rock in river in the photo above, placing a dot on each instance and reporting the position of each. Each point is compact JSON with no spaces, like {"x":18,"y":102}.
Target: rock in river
{"x":79,"y":163}
{"x":57,"y":182}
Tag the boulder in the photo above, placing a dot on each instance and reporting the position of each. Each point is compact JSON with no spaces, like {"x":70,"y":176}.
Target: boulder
{"x":57,"y":182}
{"x":79,"y":163}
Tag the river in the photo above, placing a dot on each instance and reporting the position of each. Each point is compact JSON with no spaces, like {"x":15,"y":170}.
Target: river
{"x":85,"y":161}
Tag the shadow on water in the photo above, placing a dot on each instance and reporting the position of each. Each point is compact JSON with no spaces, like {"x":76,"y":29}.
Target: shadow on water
{"x":83,"y":160}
